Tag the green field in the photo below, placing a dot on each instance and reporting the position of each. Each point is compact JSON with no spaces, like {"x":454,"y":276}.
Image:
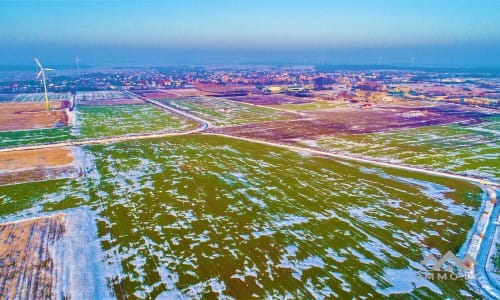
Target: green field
{"x":101,"y":121}
{"x":204,"y":217}
{"x":222,"y":112}
{"x":32,"y":137}
{"x":472,"y":149}
{"x":105,"y":121}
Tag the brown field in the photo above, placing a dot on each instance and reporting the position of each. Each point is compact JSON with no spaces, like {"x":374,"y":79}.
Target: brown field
{"x":174,"y":93}
{"x":447,"y":89}
{"x":32,"y":115}
{"x":110,"y":102}
{"x":351,"y":120}
{"x":37,"y":165}
{"x":271,"y":99}
{"x":225,"y":89}
{"x":39,"y":158}
{"x":190,"y":92}
{"x":160,"y":95}
{"x":27,"y":267}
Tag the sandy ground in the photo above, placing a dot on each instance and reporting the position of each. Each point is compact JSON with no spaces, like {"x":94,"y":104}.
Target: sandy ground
{"x":37,"y":165}
{"x":32,"y":115}
{"x":39,"y":158}
{"x":27,"y":269}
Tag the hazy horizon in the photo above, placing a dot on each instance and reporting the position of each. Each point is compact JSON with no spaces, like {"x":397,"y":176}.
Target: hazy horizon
{"x":462,"y":33}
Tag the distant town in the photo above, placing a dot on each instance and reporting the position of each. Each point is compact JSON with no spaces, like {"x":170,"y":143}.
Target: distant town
{"x":329,"y":83}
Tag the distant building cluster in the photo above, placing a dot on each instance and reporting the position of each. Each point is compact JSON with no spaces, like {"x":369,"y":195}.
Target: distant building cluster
{"x":358,"y":86}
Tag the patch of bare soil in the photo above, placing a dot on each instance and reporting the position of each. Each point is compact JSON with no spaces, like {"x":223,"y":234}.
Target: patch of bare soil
{"x":33,"y":115}
{"x":37,"y":165}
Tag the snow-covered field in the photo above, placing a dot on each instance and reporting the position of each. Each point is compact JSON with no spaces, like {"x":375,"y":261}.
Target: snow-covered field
{"x":204,"y":216}
{"x":222,"y":112}
{"x":472,"y":150}
{"x":102,"y":95}
{"x":29,"y":97}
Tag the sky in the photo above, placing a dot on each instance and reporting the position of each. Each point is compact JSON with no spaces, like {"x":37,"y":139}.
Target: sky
{"x":431,"y":32}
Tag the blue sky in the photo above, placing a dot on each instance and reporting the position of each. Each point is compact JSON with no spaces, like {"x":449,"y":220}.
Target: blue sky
{"x":452,"y":32}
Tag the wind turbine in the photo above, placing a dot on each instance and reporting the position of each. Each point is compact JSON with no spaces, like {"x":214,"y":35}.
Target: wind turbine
{"x":42,"y":73}
{"x":77,"y":59}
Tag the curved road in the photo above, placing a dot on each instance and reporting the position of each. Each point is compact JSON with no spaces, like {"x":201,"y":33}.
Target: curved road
{"x":204,"y":124}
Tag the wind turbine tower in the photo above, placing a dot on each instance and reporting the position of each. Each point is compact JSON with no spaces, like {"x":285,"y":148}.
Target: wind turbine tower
{"x":42,"y":73}
{"x":77,"y":65}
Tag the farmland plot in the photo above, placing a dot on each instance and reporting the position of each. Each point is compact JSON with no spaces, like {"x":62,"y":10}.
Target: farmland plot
{"x":206,"y":216}
{"x":472,"y":149}
{"x":103,"y":121}
{"x":221,"y":112}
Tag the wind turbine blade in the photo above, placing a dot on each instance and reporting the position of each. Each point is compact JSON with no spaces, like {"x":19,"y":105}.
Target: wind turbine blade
{"x":38,"y":63}
{"x":39,"y":74}
{"x":48,"y":69}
